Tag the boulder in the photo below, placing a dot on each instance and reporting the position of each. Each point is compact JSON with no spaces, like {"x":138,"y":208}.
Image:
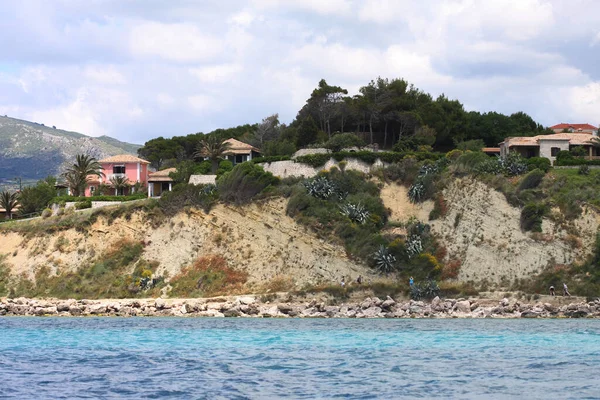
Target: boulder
{"x":463,"y":306}
{"x":246,"y":300}
{"x":504,"y":302}
{"x":285,"y":308}
{"x":160,"y":303}
{"x":387,"y":304}
{"x":75,"y":310}
{"x":529,"y":314}
{"x":232,"y":312}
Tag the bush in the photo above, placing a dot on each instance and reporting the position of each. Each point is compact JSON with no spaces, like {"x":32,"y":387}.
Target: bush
{"x":207,"y":276}
{"x":46,"y":213}
{"x":578,"y":151}
{"x":260,"y":160}
{"x":471,"y":145}
{"x":224,"y":166}
{"x":320,"y":187}
{"x":245,"y":181}
{"x":538,"y":163}
{"x":188,"y":195}
{"x":440,"y":208}
{"x":531,"y":217}
{"x":532,"y":180}
{"x":584,"y":170}
{"x":453,"y":155}
{"x":344,"y":140}
{"x":80,"y":205}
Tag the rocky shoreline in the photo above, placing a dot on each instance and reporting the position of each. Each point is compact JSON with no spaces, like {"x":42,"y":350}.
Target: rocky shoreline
{"x":252,"y":306}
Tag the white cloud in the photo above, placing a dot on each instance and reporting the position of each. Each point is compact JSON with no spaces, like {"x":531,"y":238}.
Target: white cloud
{"x":106,"y":74}
{"x":75,"y":116}
{"x":173,"y":42}
{"x":216,"y":73}
{"x":329,"y":7}
{"x":584,"y":102}
{"x":243,"y":18}
{"x":201,"y":102}
{"x":165,"y":99}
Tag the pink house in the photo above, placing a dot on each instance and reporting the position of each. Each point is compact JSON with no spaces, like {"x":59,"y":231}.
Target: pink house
{"x":131,"y":167}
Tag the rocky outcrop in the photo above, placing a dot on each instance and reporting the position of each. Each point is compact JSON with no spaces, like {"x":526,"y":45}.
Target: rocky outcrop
{"x":250,"y":306}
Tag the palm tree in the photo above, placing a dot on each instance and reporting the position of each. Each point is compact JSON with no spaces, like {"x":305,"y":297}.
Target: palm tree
{"x":77,"y":174}
{"x":212,"y":147}
{"x":119,"y":183}
{"x":9,"y":201}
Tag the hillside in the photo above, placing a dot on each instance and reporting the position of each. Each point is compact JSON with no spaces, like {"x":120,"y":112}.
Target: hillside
{"x":32,"y":151}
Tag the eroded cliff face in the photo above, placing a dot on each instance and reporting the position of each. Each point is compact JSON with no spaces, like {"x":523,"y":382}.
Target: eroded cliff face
{"x":482,"y":230}
{"x":259,"y":239}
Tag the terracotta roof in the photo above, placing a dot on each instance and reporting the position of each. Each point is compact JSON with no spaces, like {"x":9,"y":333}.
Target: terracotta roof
{"x":491,"y":149}
{"x":161,"y":176}
{"x":574,"y":126}
{"x":123,"y":158}
{"x":237,"y":147}
{"x":572,"y":138}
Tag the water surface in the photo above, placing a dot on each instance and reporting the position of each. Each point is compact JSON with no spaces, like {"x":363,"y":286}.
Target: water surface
{"x":300,"y":358}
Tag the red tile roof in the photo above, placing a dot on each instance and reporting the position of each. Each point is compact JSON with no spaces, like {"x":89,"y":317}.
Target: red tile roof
{"x":123,"y":158}
{"x":574,"y":126}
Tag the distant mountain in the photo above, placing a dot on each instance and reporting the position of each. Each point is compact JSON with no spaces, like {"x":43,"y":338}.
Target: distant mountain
{"x":33,"y":151}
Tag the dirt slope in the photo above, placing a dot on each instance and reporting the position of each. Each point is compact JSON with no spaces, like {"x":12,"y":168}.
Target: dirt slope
{"x":258,"y":238}
{"x":482,"y":231}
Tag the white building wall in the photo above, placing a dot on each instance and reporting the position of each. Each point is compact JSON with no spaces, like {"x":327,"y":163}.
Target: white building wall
{"x":547,"y":145}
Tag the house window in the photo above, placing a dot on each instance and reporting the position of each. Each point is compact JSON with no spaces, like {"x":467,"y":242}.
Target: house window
{"x":119,"y":169}
{"x":92,"y":190}
{"x":554,"y":151}
{"x":240,"y":158}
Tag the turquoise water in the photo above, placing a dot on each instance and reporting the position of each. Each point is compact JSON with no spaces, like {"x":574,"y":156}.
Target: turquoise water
{"x":334,"y":358}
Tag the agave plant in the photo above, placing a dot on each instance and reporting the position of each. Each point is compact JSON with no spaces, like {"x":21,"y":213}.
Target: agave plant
{"x":414,"y":246}
{"x":384,"y":260}
{"x":321,"y":188}
{"x":427,"y":290}
{"x":209,"y":188}
{"x":417,"y":191}
{"x":356,"y":212}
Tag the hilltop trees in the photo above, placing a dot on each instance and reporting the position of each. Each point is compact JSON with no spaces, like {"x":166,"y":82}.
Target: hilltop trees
{"x":384,"y":112}
{"x":77,"y":174}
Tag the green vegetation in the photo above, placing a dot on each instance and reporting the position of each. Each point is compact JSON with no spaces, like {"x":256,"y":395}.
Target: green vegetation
{"x":9,"y":201}
{"x":185,"y":195}
{"x":76,"y":175}
{"x":207,"y":276}
{"x":243,"y":182}
{"x":34,"y":199}
{"x":61,"y":200}
{"x":117,"y":273}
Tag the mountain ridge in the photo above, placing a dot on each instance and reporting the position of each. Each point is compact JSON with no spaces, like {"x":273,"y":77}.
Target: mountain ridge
{"x":33,"y":151}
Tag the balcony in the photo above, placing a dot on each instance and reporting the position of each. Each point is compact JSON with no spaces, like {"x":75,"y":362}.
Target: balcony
{"x":110,"y":176}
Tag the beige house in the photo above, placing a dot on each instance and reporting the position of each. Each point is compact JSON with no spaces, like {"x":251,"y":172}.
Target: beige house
{"x":159,"y":182}
{"x":548,"y":146}
{"x":239,"y":152}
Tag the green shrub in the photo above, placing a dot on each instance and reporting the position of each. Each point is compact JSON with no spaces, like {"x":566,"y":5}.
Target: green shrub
{"x":224,"y":166}
{"x":243,"y":182}
{"x":532,"y":180}
{"x":80,"y":205}
{"x":531,"y":217}
{"x":46,"y":213}
{"x":578,"y":151}
{"x":270,"y":159}
{"x":584,"y":170}
{"x":471,"y":145}
{"x":188,"y":195}
{"x":453,"y":155}
{"x":344,"y":140}
{"x":538,"y":163}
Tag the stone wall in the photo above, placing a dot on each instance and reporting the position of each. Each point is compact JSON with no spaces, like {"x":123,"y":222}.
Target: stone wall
{"x":202,"y":179}
{"x":286,"y":169}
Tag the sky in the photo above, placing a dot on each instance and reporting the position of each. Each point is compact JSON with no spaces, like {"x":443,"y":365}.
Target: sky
{"x":136,"y":70}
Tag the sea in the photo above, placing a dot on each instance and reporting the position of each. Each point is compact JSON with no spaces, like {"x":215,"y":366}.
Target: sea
{"x":216,"y":358}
